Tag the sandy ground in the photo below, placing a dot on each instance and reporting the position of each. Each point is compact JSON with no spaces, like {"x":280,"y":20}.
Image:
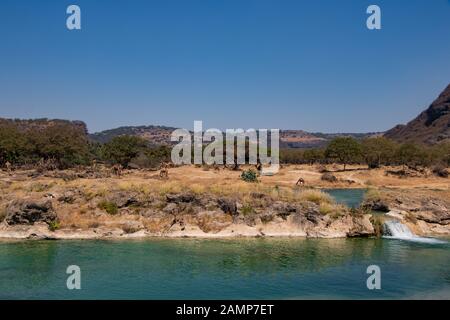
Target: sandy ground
{"x":208,"y":179}
{"x":289,"y":175}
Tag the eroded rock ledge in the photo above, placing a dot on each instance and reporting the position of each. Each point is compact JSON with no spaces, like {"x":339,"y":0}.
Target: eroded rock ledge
{"x":426,"y":212}
{"x":73,"y":214}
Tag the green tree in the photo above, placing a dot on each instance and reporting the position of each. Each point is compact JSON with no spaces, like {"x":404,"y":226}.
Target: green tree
{"x":65,"y":143}
{"x":378,"y":151}
{"x":440,"y":153}
{"x":344,"y":149}
{"x":409,"y":154}
{"x":13,"y":145}
{"x":313,"y":155}
{"x":122,"y":149}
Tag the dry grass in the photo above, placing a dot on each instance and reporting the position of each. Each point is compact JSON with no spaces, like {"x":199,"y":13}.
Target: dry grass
{"x":2,"y":214}
{"x":316,"y":196}
{"x":85,"y":214}
{"x":378,"y":224}
{"x":372,"y":194}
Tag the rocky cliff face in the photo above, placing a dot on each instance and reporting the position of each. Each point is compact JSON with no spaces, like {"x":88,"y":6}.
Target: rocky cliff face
{"x":430,"y":127}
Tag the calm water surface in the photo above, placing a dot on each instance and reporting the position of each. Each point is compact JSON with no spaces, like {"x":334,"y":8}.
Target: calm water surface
{"x":350,"y":197}
{"x":224,"y":269}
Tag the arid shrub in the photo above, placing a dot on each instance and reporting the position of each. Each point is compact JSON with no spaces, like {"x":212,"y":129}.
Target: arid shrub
{"x":109,"y":207}
{"x":54,"y":225}
{"x":372,"y":194}
{"x":247,"y":210}
{"x":316,"y":196}
{"x":249,"y":176}
{"x":326,"y":208}
{"x":378,"y":224}
{"x":2,"y":214}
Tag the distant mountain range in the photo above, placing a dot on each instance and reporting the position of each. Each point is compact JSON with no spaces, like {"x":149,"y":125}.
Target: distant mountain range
{"x":430,"y":127}
{"x":160,"y":135}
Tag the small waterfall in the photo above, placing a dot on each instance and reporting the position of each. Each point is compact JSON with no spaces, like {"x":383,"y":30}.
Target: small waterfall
{"x":394,"y":229}
{"x":397,"y":230}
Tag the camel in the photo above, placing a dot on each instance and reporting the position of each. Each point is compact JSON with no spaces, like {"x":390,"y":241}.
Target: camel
{"x":8,"y":167}
{"x":117,"y":169}
{"x":258,"y":167}
{"x":300,"y":182}
{"x":164,"y":172}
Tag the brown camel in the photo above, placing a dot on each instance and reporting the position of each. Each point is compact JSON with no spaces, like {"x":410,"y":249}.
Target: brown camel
{"x":300,"y":182}
{"x":8,"y":166}
{"x":117,"y":169}
{"x":164,"y":172}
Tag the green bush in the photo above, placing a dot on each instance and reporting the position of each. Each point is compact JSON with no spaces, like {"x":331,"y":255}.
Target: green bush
{"x":249,"y":176}
{"x":54,"y":225}
{"x":247,"y":210}
{"x":123,"y":149}
{"x":109,"y":207}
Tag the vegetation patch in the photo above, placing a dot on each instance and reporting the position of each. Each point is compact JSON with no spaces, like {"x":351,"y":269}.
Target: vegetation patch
{"x":378,"y":224}
{"x":2,"y":214}
{"x":249,"y":176}
{"x":109,"y":207}
{"x":54,"y":225}
{"x":247,"y":210}
{"x":316,"y":196}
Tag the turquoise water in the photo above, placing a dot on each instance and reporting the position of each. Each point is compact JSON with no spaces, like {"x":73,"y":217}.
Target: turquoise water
{"x":224,"y":269}
{"x":350,"y":197}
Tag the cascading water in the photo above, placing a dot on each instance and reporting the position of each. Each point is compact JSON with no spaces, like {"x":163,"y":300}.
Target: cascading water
{"x":394,"y":229}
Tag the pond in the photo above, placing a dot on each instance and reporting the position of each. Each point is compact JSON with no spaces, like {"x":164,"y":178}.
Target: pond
{"x":350,"y":197}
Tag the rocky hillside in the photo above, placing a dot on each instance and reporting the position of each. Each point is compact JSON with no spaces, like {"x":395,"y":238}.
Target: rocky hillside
{"x":160,"y":135}
{"x":41,"y":124}
{"x":430,"y":127}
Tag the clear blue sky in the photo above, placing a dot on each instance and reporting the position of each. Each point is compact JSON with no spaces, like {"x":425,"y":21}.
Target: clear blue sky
{"x":294,"y":64}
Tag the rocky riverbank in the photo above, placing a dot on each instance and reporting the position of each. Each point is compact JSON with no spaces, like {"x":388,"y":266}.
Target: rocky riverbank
{"x":128,"y":215}
{"x":425,"y":212}
{"x":207,"y":205}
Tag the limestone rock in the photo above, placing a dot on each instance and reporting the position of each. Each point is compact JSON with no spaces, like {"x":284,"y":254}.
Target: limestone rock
{"x":27,"y":211}
{"x":180,"y":198}
{"x":228,"y":206}
{"x":124,"y":198}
